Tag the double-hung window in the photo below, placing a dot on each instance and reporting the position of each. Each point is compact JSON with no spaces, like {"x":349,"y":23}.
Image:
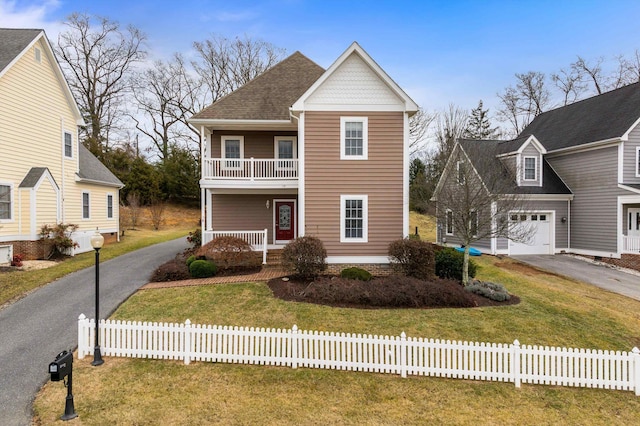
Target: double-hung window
{"x":285,"y":152}
{"x":530,"y":168}
{"x":68,"y":145}
{"x":5,"y":202}
{"x":85,"y":206}
{"x":354,"y":135}
{"x":232,"y":148}
{"x":109,"y":206}
{"x":449,"y":223}
{"x":354,"y":218}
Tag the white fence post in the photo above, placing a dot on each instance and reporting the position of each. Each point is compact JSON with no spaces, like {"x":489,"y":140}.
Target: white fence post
{"x":294,"y":346}
{"x":636,"y":368}
{"x":82,"y":334}
{"x":264,"y":247}
{"x":403,"y":355}
{"x":187,"y":342}
{"x":515,"y":363}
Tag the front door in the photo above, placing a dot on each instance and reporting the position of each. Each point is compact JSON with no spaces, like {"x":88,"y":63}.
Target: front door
{"x":633,"y":222}
{"x":285,"y":217}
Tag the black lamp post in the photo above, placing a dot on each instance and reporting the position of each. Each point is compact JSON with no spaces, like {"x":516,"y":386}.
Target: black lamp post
{"x":97,"y":241}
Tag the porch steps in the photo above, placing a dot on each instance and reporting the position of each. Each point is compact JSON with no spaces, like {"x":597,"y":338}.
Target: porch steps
{"x":273,"y":258}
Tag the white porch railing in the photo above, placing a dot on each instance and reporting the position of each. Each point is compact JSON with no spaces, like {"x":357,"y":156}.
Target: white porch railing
{"x":630,"y":244}
{"x":401,"y":355}
{"x":250,"y":169}
{"x":257,"y":239}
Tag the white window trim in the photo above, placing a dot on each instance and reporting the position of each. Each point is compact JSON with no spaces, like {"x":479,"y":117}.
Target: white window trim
{"x":82,"y":205}
{"x":365,"y":138}
{"x":64,"y":146}
{"x":446,"y":222}
{"x":365,"y":218}
{"x":223,"y":151}
{"x":463,"y":180}
{"x":535,"y":169}
{"x":637,"y":161}
{"x":11,"y":203}
{"x":110,"y":194}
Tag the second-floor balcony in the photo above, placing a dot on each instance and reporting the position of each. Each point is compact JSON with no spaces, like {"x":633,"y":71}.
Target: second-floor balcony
{"x":250,"y":173}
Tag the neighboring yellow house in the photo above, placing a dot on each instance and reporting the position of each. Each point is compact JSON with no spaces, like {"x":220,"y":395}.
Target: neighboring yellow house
{"x":46,"y":175}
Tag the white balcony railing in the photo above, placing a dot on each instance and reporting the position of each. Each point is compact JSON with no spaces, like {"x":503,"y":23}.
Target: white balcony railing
{"x":250,"y":169}
{"x":257,"y":239}
{"x":630,"y":244}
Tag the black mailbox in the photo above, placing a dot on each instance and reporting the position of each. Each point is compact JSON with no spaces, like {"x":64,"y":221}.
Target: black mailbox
{"x":61,"y":367}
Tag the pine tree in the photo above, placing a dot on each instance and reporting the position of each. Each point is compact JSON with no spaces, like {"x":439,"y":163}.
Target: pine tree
{"x":478,"y":126}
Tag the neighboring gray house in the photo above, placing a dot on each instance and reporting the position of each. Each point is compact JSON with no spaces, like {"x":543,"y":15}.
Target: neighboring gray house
{"x":579,"y":166}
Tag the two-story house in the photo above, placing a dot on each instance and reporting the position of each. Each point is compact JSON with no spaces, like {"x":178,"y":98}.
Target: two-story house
{"x":46,"y":176}
{"x":301,"y":150}
{"x":580,"y":168}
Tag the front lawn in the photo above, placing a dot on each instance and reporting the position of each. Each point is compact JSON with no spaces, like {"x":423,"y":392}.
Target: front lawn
{"x":553,"y":311}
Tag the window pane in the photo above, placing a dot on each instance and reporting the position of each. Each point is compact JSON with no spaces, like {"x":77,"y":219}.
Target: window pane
{"x":353,"y":138}
{"x":232,"y":148}
{"x":543,"y":217}
{"x":85,"y":206}
{"x":354,"y":223}
{"x":5,"y":202}
{"x":530,"y":168}
{"x":285,"y":149}
{"x":68,"y":148}
{"x":109,"y":206}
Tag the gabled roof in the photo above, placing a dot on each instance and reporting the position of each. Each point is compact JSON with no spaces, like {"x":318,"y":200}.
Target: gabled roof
{"x":269,"y":96}
{"x":409,"y":104}
{"x":91,"y":170}
{"x":34,"y":175}
{"x":606,"y":116}
{"x":478,"y":151}
{"x":13,"y":41}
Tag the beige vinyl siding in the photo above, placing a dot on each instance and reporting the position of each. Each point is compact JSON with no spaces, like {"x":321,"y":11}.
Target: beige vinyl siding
{"x":593,"y":178}
{"x":629,"y":162}
{"x":245,"y":212}
{"x":380,"y":177}
{"x":97,"y":207}
{"x":256,"y":144}
{"x":46,"y":205}
{"x":34,"y":112}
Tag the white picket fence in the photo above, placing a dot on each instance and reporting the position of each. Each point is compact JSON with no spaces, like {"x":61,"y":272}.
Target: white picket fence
{"x":356,"y":352}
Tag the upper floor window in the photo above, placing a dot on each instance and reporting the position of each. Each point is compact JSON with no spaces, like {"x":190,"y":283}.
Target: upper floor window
{"x":449,"y":223}
{"x":85,"y":206}
{"x":232,"y":147}
{"x":354,"y":218}
{"x":68,"y":145}
{"x":354,"y":138}
{"x":38,"y":55}
{"x":461,"y":172}
{"x":109,"y":206}
{"x":285,"y":150}
{"x":5,"y":202}
{"x":530,"y":168}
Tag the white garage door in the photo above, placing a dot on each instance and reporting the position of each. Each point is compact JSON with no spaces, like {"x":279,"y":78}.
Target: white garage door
{"x":537,"y":226}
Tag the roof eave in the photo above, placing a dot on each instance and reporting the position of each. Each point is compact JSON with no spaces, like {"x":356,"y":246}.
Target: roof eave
{"x":227,"y":124}
{"x":99,"y":182}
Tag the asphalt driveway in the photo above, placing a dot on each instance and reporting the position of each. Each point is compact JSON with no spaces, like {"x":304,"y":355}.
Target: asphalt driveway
{"x":38,"y":327}
{"x":601,"y":276}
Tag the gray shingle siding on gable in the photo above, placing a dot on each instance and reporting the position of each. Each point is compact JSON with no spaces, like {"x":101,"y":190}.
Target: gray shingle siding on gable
{"x":530,"y":151}
{"x":593,"y":178}
{"x":629,"y":161}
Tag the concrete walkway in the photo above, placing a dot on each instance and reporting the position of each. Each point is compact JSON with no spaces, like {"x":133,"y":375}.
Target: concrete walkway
{"x":36,"y":328}
{"x":606,"y":277}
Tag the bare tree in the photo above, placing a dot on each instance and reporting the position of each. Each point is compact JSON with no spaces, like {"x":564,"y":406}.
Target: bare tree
{"x":419,"y":125}
{"x":135,"y":208}
{"x":522,"y":103}
{"x":571,"y":85}
{"x":156,"y":208}
{"x":97,"y":57}
{"x":592,"y":71}
{"x":475,"y":197}
{"x":224,"y":65}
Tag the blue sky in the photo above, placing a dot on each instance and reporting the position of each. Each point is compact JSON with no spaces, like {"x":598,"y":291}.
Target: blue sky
{"x":440,"y":52}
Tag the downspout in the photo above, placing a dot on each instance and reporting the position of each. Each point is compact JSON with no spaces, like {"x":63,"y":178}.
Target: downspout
{"x":203,"y":204}
{"x":568,"y":224}
{"x":60,"y":205}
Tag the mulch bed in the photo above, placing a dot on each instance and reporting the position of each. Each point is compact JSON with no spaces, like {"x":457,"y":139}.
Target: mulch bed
{"x":381,"y":293}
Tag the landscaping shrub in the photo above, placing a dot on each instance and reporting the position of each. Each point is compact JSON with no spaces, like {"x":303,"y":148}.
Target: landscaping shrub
{"x":195,"y":238}
{"x":356,"y":274}
{"x":190,"y":260}
{"x":231,"y":254}
{"x":305,"y":256}
{"x":413,"y":258}
{"x":449,"y":264}
{"x":17,"y":260}
{"x":202,"y":269}
{"x":489,"y":290}
{"x":59,"y":236}
{"x":173,"y":270}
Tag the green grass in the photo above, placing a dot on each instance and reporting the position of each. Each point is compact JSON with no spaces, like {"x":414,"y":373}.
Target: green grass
{"x":15,"y":285}
{"x":553,"y":311}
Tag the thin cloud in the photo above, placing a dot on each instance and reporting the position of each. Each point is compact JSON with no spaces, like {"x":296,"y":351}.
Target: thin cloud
{"x":14,"y":15}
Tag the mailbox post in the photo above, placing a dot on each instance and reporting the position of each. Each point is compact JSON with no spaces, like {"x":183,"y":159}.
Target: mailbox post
{"x":60,"y":368}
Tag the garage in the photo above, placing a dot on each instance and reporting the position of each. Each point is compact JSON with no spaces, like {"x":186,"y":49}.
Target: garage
{"x":537,"y":227}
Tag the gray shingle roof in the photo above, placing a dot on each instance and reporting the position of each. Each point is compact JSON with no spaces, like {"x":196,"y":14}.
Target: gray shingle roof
{"x":91,"y":169}
{"x":268,"y":96}
{"x":12,"y":42}
{"x":594,"y":119}
{"x":33,"y":176}
{"x":480,"y":150}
